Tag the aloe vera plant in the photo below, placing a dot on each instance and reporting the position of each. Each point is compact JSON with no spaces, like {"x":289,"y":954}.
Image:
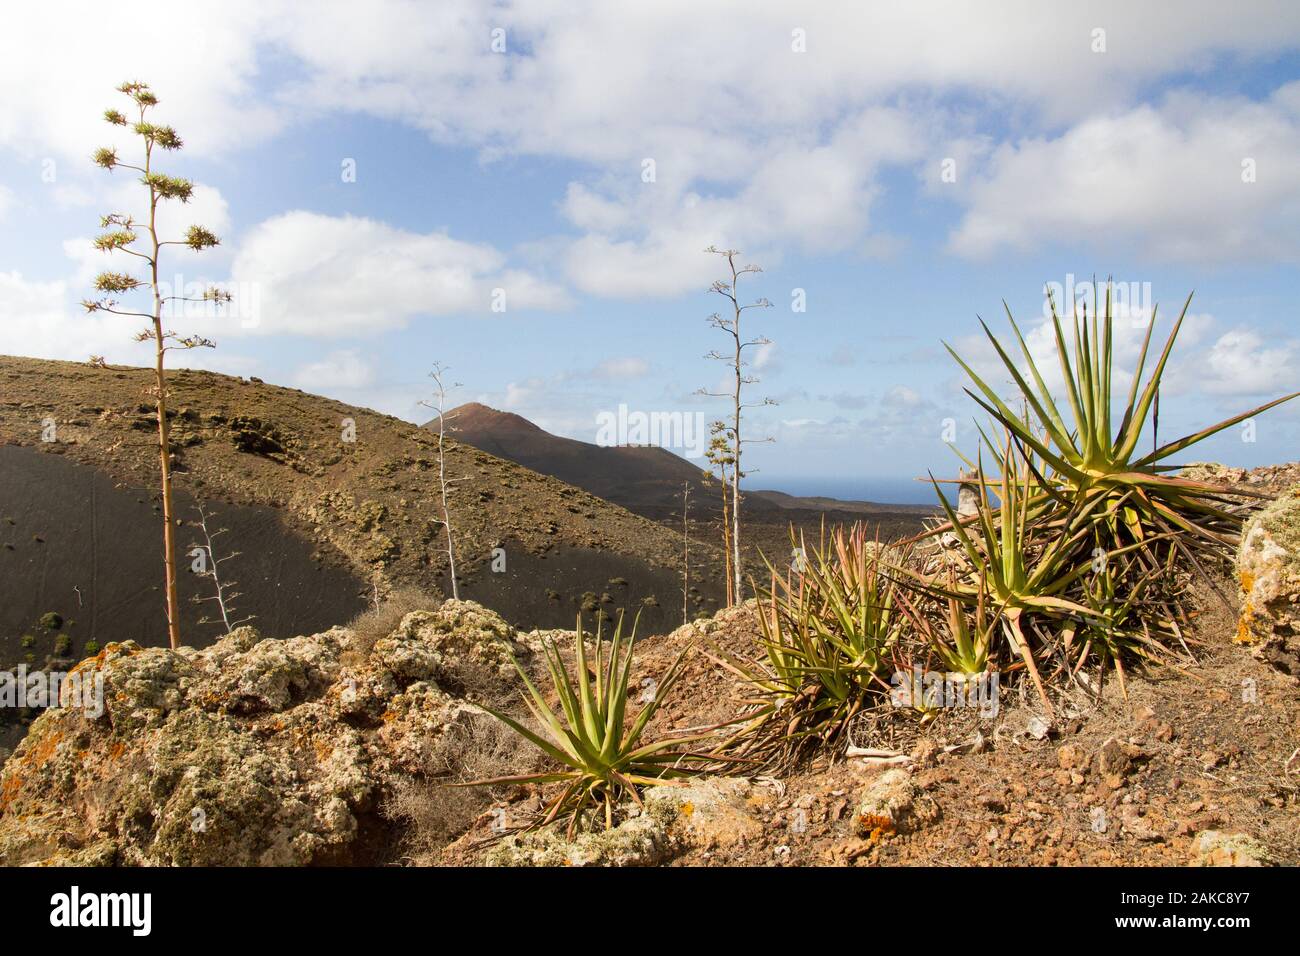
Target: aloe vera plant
{"x":602,"y":761}
{"x":1088,"y":457}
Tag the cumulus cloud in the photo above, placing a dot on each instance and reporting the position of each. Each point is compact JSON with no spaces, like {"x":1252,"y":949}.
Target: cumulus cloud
{"x":1189,"y":180}
{"x":44,"y":320}
{"x":319,"y":275}
{"x":208,"y":208}
{"x":35,"y":320}
{"x":775,"y":139}
{"x":1207,"y":364}
{"x":345,"y":369}
{"x":201,"y":60}
{"x":647,"y":239}
{"x":1241,"y":362}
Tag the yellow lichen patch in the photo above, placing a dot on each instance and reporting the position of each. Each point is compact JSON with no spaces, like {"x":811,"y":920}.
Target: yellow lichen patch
{"x":687,"y":809}
{"x":1247,"y":582}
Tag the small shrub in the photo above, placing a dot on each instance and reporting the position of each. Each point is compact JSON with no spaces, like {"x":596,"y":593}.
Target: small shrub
{"x":373,"y":625}
{"x":435,"y":813}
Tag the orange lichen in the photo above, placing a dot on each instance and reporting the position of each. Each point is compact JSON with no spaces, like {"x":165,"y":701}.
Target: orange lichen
{"x":874,"y":827}
{"x":687,"y":809}
{"x":1245,"y":633}
{"x":44,"y":748}
{"x":12,"y":784}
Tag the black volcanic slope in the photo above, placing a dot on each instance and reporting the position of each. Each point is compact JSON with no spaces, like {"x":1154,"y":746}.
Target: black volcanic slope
{"x":77,"y":543}
{"x":329,"y":504}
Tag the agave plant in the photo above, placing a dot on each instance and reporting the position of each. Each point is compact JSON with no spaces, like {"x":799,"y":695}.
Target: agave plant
{"x":1023,"y":555}
{"x":603,"y":761}
{"x":828,"y":627}
{"x":962,"y":641}
{"x":1125,"y":622}
{"x":1090,"y":458}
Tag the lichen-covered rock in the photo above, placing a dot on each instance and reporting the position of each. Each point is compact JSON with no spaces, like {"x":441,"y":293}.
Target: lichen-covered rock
{"x":1212,"y":848}
{"x":1212,"y":472}
{"x":1268,"y":569}
{"x":248,"y":752}
{"x":892,"y":803}
{"x":702,"y":814}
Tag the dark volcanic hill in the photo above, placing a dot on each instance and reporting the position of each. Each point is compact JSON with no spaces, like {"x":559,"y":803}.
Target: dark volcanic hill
{"x":644,"y":479}
{"x":327,"y":504}
{"x":637,"y":477}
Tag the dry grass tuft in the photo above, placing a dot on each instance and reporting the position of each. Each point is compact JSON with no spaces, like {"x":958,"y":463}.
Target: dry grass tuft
{"x":373,"y":625}
{"x":435,"y":814}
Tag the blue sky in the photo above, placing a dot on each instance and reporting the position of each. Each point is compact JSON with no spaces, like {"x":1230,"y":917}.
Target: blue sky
{"x":1098,"y":140}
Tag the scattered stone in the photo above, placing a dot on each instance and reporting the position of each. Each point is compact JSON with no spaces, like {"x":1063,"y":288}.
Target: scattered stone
{"x":1113,"y":762}
{"x":1137,"y":824}
{"x":1071,"y":757}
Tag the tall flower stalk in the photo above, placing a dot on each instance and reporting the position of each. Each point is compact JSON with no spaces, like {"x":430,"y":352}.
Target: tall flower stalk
{"x":122,"y":235}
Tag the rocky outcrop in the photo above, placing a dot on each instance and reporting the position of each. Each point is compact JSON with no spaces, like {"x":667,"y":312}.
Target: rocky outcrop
{"x":251,"y":751}
{"x":705,"y":814}
{"x":1268,"y":569}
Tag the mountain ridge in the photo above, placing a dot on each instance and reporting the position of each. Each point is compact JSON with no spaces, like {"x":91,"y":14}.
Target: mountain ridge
{"x":645,"y":479}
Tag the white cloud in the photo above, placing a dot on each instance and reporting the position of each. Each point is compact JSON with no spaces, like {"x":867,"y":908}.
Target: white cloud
{"x":621,"y":369}
{"x":45,"y":320}
{"x":65,"y":60}
{"x":756,"y":145}
{"x":1241,"y":363}
{"x":610,"y":84}
{"x":331,"y":276}
{"x":1166,"y":181}
{"x":766,"y":358}
{"x":647,"y":239}
{"x":36,"y":320}
{"x":1204,"y":365}
{"x":207,"y":208}
{"x":345,"y":369}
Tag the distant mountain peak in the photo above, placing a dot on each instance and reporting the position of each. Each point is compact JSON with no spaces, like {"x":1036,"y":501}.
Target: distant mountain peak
{"x":478,"y":416}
